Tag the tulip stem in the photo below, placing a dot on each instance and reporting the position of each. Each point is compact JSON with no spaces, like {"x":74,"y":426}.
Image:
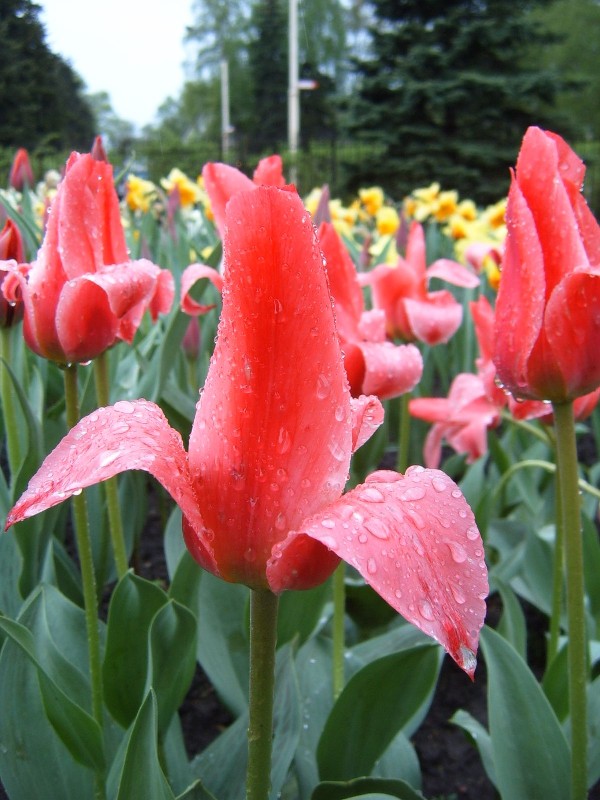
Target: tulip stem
{"x":111,"y":486}
{"x":403,"y":433}
{"x":11,"y":427}
{"x":339,"y":618}
{"x":567,"y":470}
{"x":263,"y":640}
{"x":88,"y":578}
{"x":557,"y":579}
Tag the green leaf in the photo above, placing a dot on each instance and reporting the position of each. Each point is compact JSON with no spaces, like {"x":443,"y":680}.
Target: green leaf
{"x":391,"y":691}
{"x":196,"y":792}
{"x":531,"y":754}
{"x":223,"y":639}
{"x":78,"y":731}
{"x":556,"y":683}
{"x":300,"y":612}
{"x":142,"y":777}
{"x":365,"y":788}
{"x":133,"y":606}
{"x":172,"y":658}
{"x":512,"y":623}
{"x":480,"y":738}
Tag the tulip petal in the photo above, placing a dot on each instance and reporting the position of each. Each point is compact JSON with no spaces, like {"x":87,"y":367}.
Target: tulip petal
{"x":434,"y":320}
{"x":572,"y":326}
{"x":272,"y":437}
{"x":367,"y":416}
{"x":269,"y":172}
{"x":190,"y":276}
{"x":390,"y":370}
{"x":452,"y":272}
{"x":85,"y":323}
{"x":413,"y":538}
{"x":128,"y":435}
{"x":221,"y":182}
{"x":521,"y":295}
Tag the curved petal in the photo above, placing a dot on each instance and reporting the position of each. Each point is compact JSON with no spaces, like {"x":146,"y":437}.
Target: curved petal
{"x":452,"y":272}
{"x":299,"y":562}
{"x":572,"y":326}
{"x":367,"y":416}
{"x":221,"y":182}
{"x":85,"y":323}
{"x":390,"y":370}
{"x":272,"y":437}
{"x":521,"y":295}
{"x":269,"y":172}
{"x":414,"y":539}
{"x":436,"y":319}
{"x":190,"y":276}
{"x":164,"y":293}
{"x":128,"y":435}
{"x":341,"y":273}
{"x":371,"y":325}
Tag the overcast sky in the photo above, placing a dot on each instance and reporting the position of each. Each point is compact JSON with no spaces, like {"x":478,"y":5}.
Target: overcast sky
{"x":132,"y":49}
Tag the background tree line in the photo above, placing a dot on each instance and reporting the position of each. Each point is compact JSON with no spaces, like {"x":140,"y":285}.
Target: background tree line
{"x":409,"y":91}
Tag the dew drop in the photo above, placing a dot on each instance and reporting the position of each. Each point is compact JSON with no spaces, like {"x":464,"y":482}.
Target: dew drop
{"x":413,"y":493}
{"x":370,"y":494}
{"x":124,"y":406}
{"x":425,"y":609}
{"x":328,"y":523}
{"x":439,"y":485}
{"x":371,"y":566}
{"x":323,"y":387}
{"x":458,"y":552}
{"x":377,"y":528}
{"x":284,"y":441}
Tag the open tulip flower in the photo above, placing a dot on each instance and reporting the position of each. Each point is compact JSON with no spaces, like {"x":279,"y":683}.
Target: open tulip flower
{"x":373,"y":364}
{"x":413,"y":312}
{"x":548,"y":305}
{"x":261,"y":486}
{"x":83,"y":293}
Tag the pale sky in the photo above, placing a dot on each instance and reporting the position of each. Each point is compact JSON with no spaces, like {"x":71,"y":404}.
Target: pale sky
{"x":132,"y":49}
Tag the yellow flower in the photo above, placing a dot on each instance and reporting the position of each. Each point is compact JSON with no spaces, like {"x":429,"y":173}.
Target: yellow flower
{"x":494,"y":215}
{"x":445,"y":205}
{"x":387,"y":220}
{"x":372,"y":199}
{"x":140,"y":193}
{"x":189,"y":191}
{"x":467,"y":209}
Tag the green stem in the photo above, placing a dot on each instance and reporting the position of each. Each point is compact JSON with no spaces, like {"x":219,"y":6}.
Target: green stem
{"x":13,"y":444}
{"x":339,"y":615}
{"x":263,"y":639}
{"x":540,"y":432}
{"x":88,"y":578}
{"x":567,"y":469}
{"x":403,"y":433}
{"x":557,"y":579}
{"x":111,"y":487}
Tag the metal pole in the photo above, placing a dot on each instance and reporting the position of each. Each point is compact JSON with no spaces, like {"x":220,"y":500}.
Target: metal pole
{"x":225,"y":124}
{"x":293,"y":89}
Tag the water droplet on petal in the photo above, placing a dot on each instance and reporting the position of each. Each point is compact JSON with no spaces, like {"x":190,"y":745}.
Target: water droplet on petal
{"x":377,"y":528}
{"x":468,"y":660}
{"x":425,"y":609}
{"x":124,"y":406}
{"x":438,"y":484}
{"x":458,"y":552}
{"x":284,"y":441}
{"x":413,"y":493}
{"x":371,"y":566}
{"x":323,"y":386}
{"x":370,"y":494}
{"x":328,"y":523}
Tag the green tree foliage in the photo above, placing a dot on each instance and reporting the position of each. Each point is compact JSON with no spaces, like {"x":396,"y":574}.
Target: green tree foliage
{"x":41,"y":97}
{"x":268,"y":53}
{"x":444,"y":95}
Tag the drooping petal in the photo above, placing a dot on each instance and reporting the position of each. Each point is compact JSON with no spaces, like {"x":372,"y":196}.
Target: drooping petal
{"x":190,"y":276}
{"x":452,"y":272}
{"x":85,"y":324}
{"x":128,"y":435}
{"x":414,"y":539}
{"x":434,"y":320}
{"x":272,"y":437}
{"x":390,"y":370}
{"x":367,"y":416}
{"x":221,"y":182}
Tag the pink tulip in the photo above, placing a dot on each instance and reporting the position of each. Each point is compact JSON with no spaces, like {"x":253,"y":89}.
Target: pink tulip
{"x":462,"y":419}
{"x":21,"y":174}
{"x":222,"y":181}
{"x":412,"y":312}
{"x":373,"y":365}
{"x":261,"y":486}
{"x":83,"y":293}
{"x":548,"y":305}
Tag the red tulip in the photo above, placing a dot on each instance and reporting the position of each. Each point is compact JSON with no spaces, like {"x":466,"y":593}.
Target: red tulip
{"x":484,"y":322}
{"x":21,"y":174}
{"x":373,"y":365}
{"x":12,"y":250}
{"x":83,"y":293}
{"x":462,"y":419}
{"x":401,"y":290}
{"x":11,"y":243}
{"x":548,"y":304}
{"x":583,"y":406}
{"x":222,"y":181}
{"x":261,"y":486}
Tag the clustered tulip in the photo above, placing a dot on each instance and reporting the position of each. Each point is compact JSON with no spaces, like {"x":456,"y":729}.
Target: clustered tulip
{"x":261,"y":487}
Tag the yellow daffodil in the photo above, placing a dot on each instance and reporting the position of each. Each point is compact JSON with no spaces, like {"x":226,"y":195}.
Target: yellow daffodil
{"x":189,"y":191}
{"x":140,"y":193}
{"x":387,"y":220}
{"x":372,"y":199}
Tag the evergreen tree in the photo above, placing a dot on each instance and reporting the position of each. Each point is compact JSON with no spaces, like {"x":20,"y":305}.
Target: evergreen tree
{"x":444,"y":96}
{"x":40,"y":95}
{"x":268,"y":53}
